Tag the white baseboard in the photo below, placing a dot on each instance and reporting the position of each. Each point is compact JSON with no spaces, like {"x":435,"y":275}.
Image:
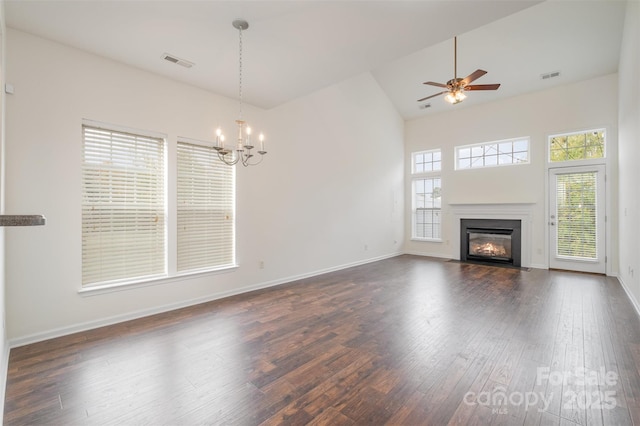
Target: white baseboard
{"x":441,"y":256}
{"x":630,"y":296}
{"x":89,"y":325}
{"x":538,"y":266}
{"x":3,"y":382}
{"x":427,"y":254}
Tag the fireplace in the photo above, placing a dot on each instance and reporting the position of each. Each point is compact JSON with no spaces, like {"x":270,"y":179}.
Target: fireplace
{"x":496,"y":241}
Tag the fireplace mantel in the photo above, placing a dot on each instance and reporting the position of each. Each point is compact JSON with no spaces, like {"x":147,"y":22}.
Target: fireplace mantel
{"x":509,"y":206}
{"x":518,"y":211}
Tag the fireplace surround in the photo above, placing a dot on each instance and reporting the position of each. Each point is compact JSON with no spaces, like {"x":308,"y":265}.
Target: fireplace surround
{"x":493,"y":241}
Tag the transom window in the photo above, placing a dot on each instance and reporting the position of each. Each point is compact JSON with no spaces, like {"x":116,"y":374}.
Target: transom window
{"x":426,"y":161}
{"x":584,"y":145}
{"x":492,"y":154}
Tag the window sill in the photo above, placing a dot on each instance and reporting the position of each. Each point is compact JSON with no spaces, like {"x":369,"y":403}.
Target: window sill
{"x":427,"y":240}
{"x":130,"y":285}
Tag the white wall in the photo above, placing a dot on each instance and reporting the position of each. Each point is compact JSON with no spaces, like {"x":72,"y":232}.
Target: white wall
{"x":629,"y":153}
{"x":580,"y":106}
{"x":4,"y":349}
{"x":331,"y":183}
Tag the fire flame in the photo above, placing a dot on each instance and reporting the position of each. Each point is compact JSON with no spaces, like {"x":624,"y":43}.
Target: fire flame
{"x":488,"y":249}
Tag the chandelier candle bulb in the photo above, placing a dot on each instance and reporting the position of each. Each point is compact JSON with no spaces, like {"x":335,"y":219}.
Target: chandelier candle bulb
{"x":218,"y":136}
{"x":261,"y":137}
{"x":247,"y":143}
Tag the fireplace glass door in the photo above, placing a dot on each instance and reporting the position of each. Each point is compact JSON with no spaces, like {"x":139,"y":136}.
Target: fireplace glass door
{"x":489,"y":245}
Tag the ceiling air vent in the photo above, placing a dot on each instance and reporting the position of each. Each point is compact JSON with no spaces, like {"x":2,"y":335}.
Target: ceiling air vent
{"x":550,"y":75}
{"x":176,"y":60}
{"x":425,"y":106}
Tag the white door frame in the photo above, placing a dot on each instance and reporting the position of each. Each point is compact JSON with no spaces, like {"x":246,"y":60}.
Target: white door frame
{"x":601,"y":265}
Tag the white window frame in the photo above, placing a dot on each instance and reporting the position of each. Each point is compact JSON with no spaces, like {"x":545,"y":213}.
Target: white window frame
{"x":481,"y":152}
{"x":581,"y":161}
{"x":97,"y":273}
{"x":418,"y":175}
{"x":434,"y":159}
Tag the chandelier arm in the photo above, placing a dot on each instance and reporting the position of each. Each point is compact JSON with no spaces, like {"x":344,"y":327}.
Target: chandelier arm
{"x":243,"y":158}
{"x":255,"y":163}
{"x":223,"y":158}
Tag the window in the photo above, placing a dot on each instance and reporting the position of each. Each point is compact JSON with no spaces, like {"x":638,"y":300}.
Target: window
{"x":585,"y":145}
{"x":205,"y":210}
{"x":427,"y":210}
{"x":427,"y":200}
{"x":426,"y":161}
{"x":492,"y":154}
{"x":123,"y":206}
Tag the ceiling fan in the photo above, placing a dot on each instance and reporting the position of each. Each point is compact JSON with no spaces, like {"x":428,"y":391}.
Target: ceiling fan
{"x":457,"y":86}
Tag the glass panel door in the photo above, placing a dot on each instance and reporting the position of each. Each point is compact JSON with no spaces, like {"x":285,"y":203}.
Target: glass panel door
{"x":577,"y":220}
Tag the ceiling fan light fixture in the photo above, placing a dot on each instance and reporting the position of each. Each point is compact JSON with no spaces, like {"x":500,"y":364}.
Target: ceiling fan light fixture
{"x":455,"y":97}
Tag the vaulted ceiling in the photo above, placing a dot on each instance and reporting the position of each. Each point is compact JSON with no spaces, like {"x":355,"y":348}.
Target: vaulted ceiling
{"x":293,"y":48}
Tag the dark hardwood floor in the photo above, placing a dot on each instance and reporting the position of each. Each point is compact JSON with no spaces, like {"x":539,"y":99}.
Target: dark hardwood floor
{"x":407,"y":340}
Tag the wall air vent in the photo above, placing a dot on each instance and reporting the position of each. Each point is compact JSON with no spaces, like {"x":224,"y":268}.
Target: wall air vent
{"x":174,"y":59}
{"x":550,"y":75}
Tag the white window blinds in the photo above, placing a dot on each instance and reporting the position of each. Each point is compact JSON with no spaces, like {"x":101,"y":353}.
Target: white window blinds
{"x":577,"y":232}
{"x":123,"y":206}
{"x":205,"y":210}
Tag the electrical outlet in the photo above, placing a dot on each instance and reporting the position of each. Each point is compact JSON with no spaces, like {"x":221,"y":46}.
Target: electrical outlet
{"x":261,"y":264}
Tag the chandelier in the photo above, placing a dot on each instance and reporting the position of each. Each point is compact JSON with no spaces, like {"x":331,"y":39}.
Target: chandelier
{"x":242,"y":153}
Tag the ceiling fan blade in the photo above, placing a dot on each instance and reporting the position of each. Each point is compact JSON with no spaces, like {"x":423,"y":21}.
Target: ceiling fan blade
{"x":473,"y":76}
{"x":431,"y":83}
{"x":432,"y":96}
{"x":482,"y":87}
